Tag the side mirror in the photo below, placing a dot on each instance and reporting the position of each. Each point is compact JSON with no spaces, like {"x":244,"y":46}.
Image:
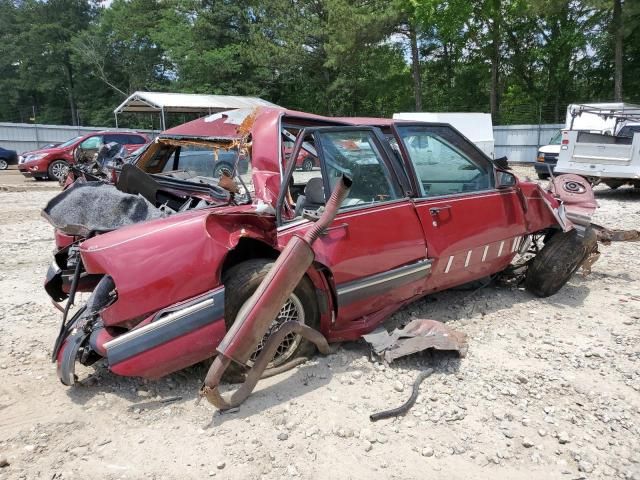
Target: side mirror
{"x":505,"y":179}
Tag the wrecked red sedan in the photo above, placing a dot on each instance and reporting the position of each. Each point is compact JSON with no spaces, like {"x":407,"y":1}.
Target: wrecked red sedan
{"x":426,"y":211}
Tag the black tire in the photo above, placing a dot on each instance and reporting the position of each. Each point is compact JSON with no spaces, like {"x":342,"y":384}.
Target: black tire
{"x":4,"y":164}
{"x":558,"y":260}
{"x":222,"y":167}
{"x":58,"y":170}
{"x":307,"y":164}
{"x":543,"y":176}
{"x":243,"y":279}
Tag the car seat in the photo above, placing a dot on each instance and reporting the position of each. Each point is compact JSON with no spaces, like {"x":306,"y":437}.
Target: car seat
{"x":312,"y":198}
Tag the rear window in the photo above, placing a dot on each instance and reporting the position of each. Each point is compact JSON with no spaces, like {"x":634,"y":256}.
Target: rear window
{"x":629,"y":130}
{"x":115,"y":137}
{"x":124,"y":139}
{"x":136,"y":140}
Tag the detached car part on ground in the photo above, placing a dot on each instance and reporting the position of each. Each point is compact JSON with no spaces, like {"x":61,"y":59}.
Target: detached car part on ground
{"x":182,"y":257}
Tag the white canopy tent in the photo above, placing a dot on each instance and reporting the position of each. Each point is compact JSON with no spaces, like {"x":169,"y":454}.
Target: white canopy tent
{"x":162,"y":103}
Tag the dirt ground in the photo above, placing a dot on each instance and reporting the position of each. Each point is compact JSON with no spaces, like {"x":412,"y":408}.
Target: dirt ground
{"x":549,"y":388}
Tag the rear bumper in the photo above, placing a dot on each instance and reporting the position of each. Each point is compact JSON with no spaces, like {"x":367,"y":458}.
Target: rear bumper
{"x":629,"y":176}
{"x":175,"y":338}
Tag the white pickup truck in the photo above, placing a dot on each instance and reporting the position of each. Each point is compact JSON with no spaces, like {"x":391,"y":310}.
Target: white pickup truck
{"x":603,"y":157}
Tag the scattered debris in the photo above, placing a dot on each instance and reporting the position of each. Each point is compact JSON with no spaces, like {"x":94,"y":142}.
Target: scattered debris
{"x":404,"y":408}
{"x":154,"y":403}
{"x":416,"y":336}
{"x":606,"y":236}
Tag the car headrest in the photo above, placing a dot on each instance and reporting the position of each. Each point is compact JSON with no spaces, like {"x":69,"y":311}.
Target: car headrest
{"x":314,"y":191}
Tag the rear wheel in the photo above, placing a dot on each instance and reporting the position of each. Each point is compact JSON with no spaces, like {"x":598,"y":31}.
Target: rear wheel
{"x":307,"y":164}
{"x":242,"y":280}
{"x":558,"y":260}
{"x":3,"y":164}
{"x":58,"y":170}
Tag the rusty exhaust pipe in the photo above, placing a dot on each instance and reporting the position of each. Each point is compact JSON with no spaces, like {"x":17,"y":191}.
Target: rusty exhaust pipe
{"x":255,"y":318}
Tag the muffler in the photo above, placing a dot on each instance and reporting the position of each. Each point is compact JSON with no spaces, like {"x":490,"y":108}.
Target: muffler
{"x":255,"y":318}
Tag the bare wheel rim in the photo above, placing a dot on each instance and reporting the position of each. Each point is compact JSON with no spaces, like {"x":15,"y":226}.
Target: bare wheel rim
{"x":292,"y":310}
{"x":3,"y":164}
{"x":59,"y":170}
{"x":219,"y":170}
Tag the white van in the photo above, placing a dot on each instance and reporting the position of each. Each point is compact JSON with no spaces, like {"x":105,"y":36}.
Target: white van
{"x":477,"y":127}
{"x":610,"y":156}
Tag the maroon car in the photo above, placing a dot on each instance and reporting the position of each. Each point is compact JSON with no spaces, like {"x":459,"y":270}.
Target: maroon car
{"x":53,"y":163}
{"x":427,"y":211}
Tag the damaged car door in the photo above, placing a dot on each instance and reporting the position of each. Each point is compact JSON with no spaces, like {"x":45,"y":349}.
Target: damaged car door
{"x":375,"y":247}
{"x":472,"y":228}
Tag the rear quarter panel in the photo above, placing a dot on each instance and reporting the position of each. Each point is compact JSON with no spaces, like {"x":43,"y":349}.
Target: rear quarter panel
{"x":156,"y":264}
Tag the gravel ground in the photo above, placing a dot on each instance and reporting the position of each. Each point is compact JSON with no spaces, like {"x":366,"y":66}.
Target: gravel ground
{"x":549,"y":388}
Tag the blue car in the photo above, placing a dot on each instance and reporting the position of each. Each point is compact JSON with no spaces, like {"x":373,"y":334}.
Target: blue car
{"x":7,"y":157}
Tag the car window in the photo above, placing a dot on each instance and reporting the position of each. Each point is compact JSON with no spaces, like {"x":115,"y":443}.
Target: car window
{"x":356,"y":154}
{"x":203,"y":161}
{"x":115,"y":137}
{"x":441,"y":167}
{"x":91,"y":143}
{"x":135,"y":140}
{"x":194,"y":159}
{"x":629,"y":130}
{"x":69,"y":142}
{"x":556,"y":139}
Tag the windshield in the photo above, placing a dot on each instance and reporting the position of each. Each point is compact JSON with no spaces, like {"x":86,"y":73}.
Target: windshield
{"x":70,"y":142}
{"x":556,"y":139}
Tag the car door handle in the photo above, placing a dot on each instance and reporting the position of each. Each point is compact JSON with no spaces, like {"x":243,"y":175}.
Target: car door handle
{"x":335,"y":227}
{"x":434,"y":211}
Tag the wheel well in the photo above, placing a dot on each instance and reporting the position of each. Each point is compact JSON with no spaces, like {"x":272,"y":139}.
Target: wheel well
{"x":250,"y":248}
{"x":246,"y":249}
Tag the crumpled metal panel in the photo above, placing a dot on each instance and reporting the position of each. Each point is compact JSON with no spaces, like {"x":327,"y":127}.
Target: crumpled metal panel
{"x":416,"y":336}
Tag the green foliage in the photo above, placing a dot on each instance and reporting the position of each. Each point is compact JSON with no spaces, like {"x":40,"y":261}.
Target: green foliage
{"x":75,"y":60}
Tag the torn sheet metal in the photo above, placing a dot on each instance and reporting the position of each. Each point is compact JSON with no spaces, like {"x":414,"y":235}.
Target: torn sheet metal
{"x":416,"y":336}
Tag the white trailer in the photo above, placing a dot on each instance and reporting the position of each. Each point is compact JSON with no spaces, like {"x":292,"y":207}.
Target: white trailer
{"x":477,"y":127}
